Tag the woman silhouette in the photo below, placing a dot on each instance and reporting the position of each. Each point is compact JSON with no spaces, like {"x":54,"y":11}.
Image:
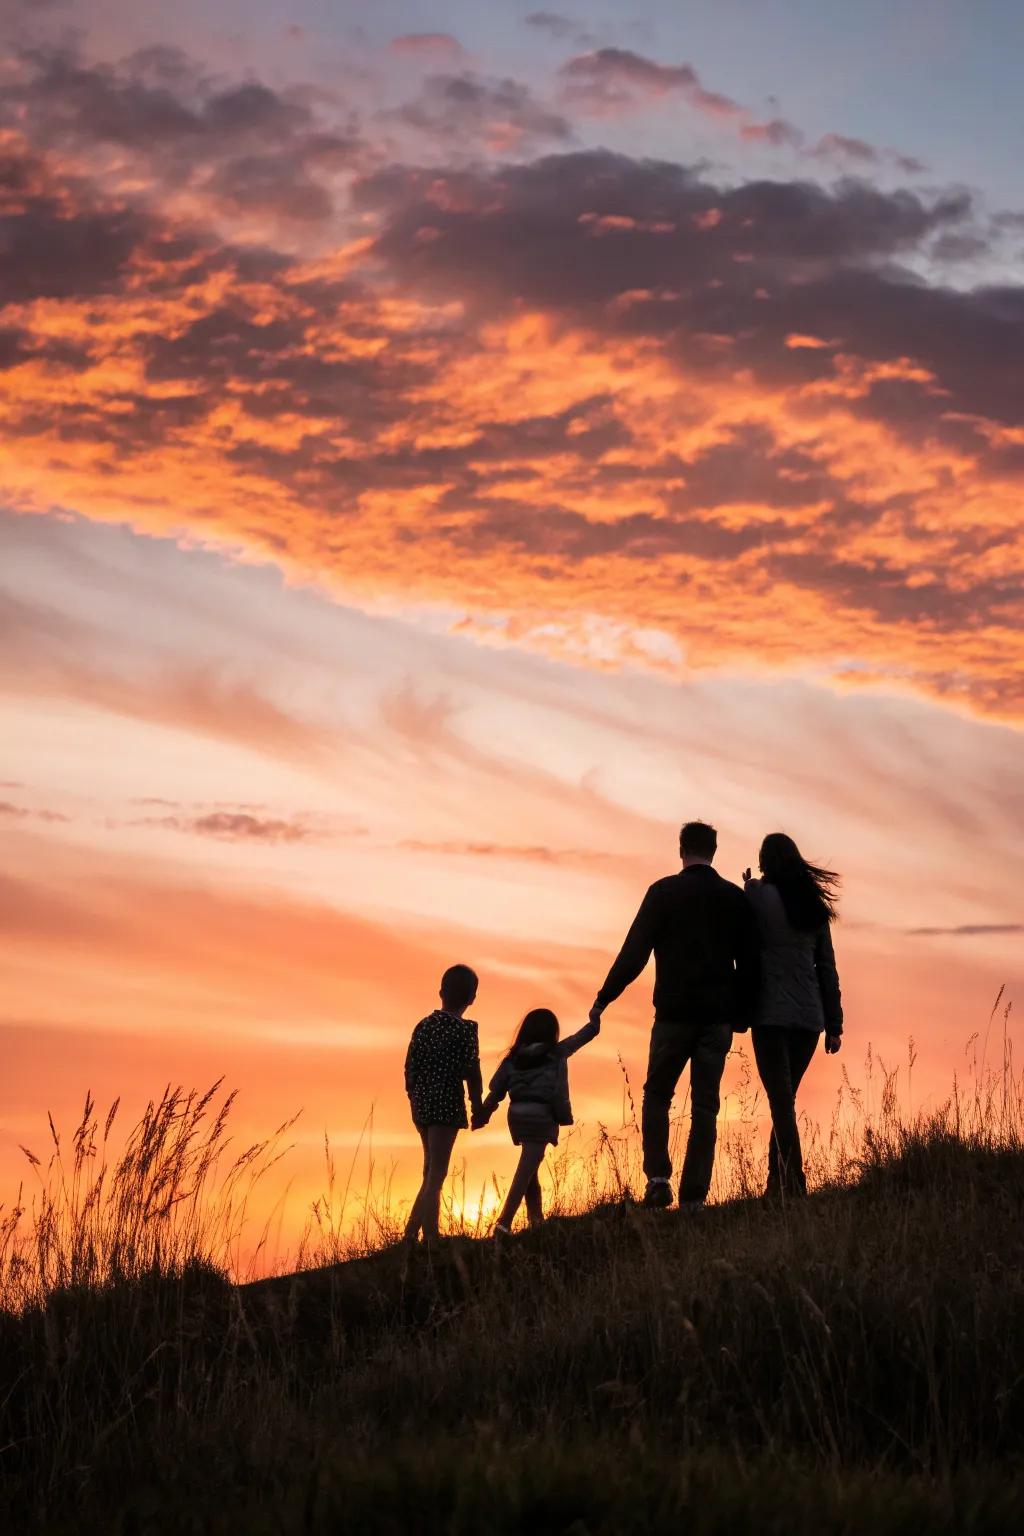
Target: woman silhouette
{"x":795,"y":903}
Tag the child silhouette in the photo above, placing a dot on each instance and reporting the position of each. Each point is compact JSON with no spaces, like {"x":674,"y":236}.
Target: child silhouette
{"x":535,"y":1078}
{"x":443,"y":1055}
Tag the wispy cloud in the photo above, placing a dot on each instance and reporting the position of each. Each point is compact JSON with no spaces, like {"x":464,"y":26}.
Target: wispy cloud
{"x":47,"y":653}
{"x":28,"y":813}
{"x":859,"y":153}
{"x":430,"y":46}
{"x":965,"y":930}
{"x":238,"y":827}
{"x":537,"y":854}
{"x":608,"y":82}
{"x":248,"y":824}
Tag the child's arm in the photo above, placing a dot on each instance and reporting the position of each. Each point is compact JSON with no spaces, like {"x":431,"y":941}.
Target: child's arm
{"x":498,"y":1090}
{"x":474,"y":1082}
{"x":573,"y":1043}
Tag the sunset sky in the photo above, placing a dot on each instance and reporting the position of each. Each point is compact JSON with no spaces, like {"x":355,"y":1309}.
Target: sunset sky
{"x":444,"y":447}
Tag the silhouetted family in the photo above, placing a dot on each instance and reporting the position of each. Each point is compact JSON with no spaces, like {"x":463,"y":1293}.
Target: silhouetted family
{"x":726,"y":960}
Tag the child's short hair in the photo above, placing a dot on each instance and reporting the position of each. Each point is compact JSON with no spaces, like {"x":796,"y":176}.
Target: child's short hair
{"x":458,"y":986}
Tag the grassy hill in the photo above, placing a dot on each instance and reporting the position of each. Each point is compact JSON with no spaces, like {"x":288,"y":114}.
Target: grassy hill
{"x":853,"y":1362}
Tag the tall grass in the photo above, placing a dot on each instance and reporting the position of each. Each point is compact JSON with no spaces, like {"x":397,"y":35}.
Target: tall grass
{"x":845,"y":1362}
{"x":173,"y":1196}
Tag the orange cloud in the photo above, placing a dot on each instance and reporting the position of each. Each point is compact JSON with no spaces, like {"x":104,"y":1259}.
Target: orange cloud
{"x":614,"y":449}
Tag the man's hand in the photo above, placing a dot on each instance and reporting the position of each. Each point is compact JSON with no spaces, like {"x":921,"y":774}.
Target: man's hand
{"x":595,"y":1013}
{"x":833,"y":1043}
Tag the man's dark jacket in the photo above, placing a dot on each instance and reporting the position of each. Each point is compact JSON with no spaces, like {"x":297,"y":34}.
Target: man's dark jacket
{"x":703,"y":933}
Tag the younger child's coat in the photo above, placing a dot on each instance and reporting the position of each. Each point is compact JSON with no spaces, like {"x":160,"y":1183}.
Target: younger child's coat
{"x":535,"y":1078}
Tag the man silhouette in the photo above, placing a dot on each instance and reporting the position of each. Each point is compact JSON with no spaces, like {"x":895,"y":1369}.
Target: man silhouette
{"x":703,"y":933}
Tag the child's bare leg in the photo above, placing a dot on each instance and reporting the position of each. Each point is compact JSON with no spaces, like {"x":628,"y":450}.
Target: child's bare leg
{"x":440,"y":1142}
{"x":534,"y":1203}
{"x":531,"y":1155}
{"x":412,"y":1226}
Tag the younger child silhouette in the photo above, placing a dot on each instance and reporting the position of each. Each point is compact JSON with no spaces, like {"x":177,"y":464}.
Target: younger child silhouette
{"x":535,"y":1078}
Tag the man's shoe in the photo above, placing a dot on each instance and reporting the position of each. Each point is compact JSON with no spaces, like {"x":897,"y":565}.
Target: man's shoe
{"x":658,"y":1194}
{"x":690,"y":1207}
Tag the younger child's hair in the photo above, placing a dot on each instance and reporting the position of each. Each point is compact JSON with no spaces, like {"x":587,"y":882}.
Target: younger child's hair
{"x":539,"y":1027}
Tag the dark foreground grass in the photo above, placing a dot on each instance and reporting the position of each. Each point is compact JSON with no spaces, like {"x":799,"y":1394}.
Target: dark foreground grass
{"x":851,"y":1363}
{"x":606,"y":1487}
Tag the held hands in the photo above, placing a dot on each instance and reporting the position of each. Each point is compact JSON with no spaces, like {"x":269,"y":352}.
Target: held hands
{"x":833,"y":1043}
{"x":595,"y":1014}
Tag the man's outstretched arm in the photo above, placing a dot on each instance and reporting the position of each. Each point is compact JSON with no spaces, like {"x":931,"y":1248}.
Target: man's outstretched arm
{"x":632,"y":957}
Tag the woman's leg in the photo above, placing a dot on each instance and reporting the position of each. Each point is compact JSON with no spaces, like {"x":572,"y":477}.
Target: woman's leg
{"x":531,"y":1155}
{"x":438,"y":1143}
{"x":771,"y":1052}
{"x":802,"y":1045}
{"x":534,"y":1203}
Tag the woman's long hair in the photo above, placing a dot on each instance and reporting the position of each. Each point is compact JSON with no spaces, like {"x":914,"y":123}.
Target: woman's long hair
{"x":539,"y":1027}
{"x":809,"y":894}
